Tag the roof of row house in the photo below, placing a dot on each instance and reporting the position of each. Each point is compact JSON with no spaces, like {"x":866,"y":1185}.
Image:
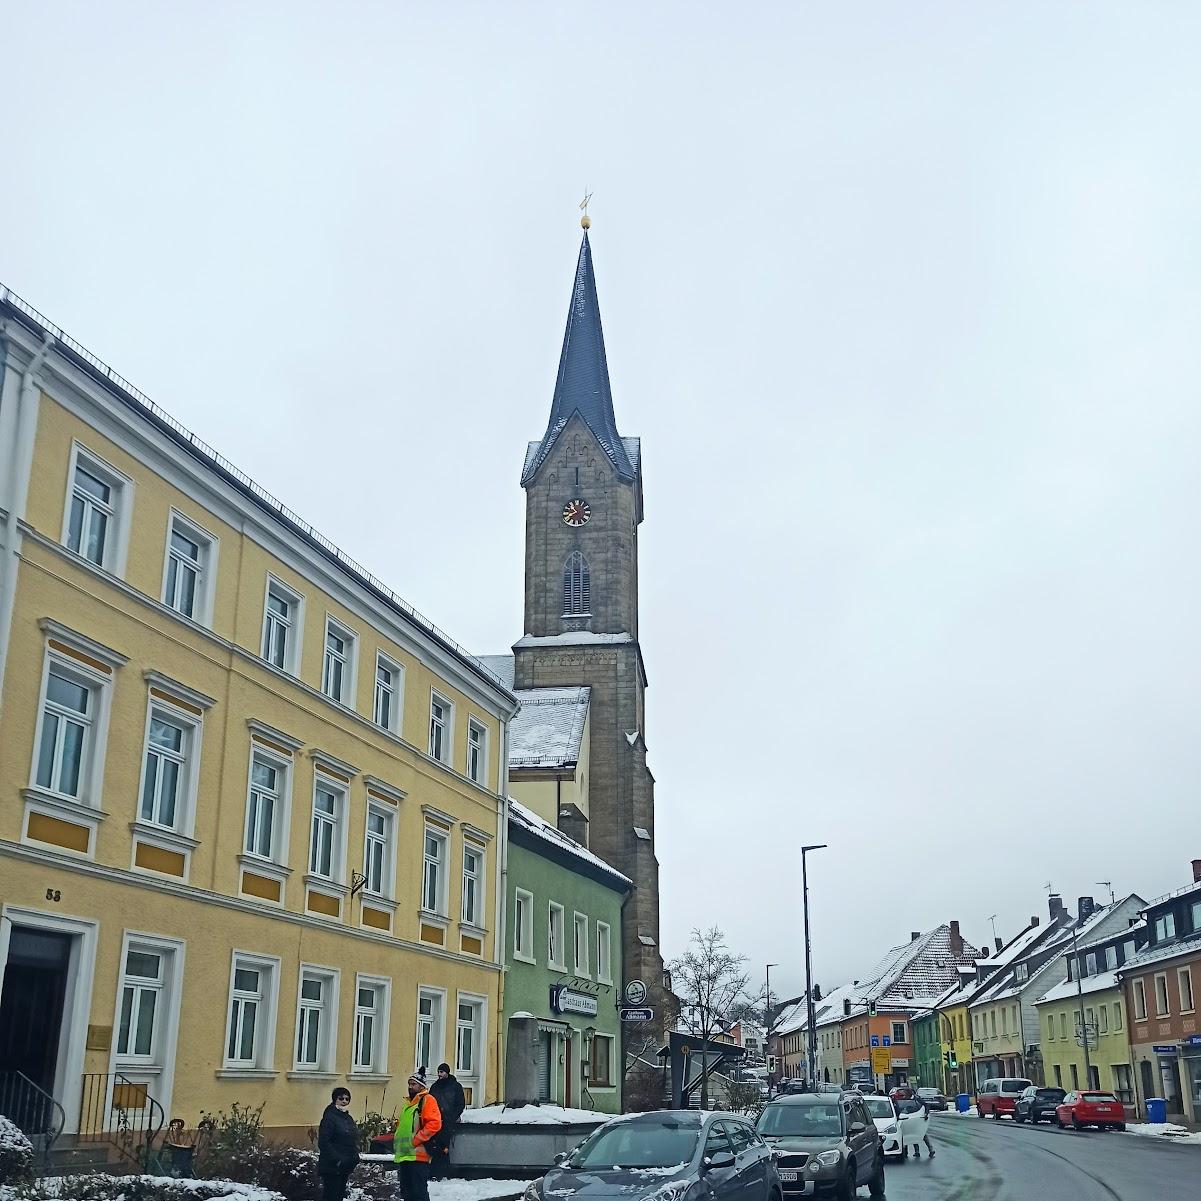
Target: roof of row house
{"x":1190,"y":945}
{"x":1066,"y":989}
{"x":548,"y":730}
{"x":559,"y":846}
{"x":190,"y":444}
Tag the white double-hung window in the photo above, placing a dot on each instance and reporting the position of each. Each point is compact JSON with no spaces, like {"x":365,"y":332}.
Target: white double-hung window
{"x":433,"y":872}
{"x":389,"y":687}
{"x":66,"y":744}
{"x":266,"y":807}
{"x":604,"y":964}
{"x":327,"y":837}
{"x":477,"y":751}
{"x":469,"y":1042}
{"x":555,"y":952}
{"x":96,"y":518}
{"x":337,"y":664}
{"x":430,"y":1040}
{"x":187,"y":578}
{"x":250,"y":1025}
{"x":523,"y":925}
{"x":169,"y":768}
{"x":316,"y":1018}
{"x":379,"y":855}
{"x":580,"y":958}
{"x":441,"y":727}
{"x":282,"y":626}
{"x":372,"y":994}
{"x":141,"y":990}
{"x":472,"y":912}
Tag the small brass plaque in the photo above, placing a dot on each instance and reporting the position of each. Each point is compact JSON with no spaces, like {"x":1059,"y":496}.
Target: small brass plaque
{"x":100,"y":1038}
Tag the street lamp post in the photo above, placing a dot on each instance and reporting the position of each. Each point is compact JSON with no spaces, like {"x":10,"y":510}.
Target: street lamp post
{"x":767,"y":1018}
{"x":810,"y":1030}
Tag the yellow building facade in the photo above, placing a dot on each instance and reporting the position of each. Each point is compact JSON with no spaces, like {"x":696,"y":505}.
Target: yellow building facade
{"x":252,"y":831}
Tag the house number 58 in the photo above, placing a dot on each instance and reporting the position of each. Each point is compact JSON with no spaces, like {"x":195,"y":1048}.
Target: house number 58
{"x":53,"y":894}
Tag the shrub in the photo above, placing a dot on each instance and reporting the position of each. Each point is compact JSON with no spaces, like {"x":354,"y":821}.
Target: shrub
{"x":373,"y":1123}
{"x":230,"y":1144}
{"x":744,"y":1098}
{"x":16,"y":1154}
{"x":644,"y":1089}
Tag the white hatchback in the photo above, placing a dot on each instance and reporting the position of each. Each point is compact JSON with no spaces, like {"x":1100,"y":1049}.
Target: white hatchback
{"x":884,"y":1114}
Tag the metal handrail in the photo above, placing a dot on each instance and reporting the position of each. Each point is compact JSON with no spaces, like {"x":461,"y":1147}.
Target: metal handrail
{"x":33,"y":1109}
{"x":108,"y":1113}
{"x":205,"y":451}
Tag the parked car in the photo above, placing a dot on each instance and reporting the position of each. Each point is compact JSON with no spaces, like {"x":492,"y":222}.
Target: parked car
{"x":902,"y":1092}
{"x":999,"y":1095}
{"x":884,"y":1114}
{"x":1102,"y":1110}
{"x":1035,"y":1104}
{"x":824,"y":1145}
{"x":689,"y":1154}
{"x":932,"y":1098}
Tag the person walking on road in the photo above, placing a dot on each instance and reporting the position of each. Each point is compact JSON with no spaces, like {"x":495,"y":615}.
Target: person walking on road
{"x":419,"y":1121}
{"x":337,"y":1146}
{"x":448,"y":1092}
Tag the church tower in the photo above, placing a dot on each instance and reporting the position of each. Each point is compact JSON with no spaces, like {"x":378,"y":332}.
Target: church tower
{"x":583,"y":486}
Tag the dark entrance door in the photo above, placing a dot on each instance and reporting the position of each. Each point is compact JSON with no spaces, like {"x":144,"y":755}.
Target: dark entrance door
{"x":31,"y":1007}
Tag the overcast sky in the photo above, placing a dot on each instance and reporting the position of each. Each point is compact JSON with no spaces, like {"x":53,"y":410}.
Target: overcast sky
{"x":903,"y":301}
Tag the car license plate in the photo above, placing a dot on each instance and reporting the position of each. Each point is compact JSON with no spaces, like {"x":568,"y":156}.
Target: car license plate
{"x":788,"y":1175}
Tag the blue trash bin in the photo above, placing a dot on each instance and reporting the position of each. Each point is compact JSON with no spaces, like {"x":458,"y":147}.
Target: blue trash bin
{"x":963,"y":1102}
{"x":1157,"y":1109}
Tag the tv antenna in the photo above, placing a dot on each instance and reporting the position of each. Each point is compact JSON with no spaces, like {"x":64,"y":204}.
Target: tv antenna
{"x":993,"y":920}
{"x":1113,"y":896}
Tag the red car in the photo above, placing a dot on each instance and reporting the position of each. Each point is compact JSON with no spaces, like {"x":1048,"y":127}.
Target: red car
{"x":1091,"y":1109}
{"x":999,"y":1095}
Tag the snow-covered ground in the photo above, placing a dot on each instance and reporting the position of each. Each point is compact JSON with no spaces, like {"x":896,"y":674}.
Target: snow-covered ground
{"x":475,"y":1190}
{"x":954,"y":1113}
{"x":1165,"y":1130}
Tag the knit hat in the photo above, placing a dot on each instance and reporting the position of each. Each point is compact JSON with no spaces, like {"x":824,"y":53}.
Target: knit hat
{"x":415,"y":1079}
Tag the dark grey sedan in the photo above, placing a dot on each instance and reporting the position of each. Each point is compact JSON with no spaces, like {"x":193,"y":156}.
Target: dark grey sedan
{"x":670,"y":1155}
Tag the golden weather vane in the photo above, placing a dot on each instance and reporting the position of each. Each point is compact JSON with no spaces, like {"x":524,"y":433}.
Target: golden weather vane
{"x":585,"y":220}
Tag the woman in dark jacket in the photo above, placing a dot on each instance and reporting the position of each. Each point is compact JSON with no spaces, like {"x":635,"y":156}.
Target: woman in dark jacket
{"x":337,"y":1146}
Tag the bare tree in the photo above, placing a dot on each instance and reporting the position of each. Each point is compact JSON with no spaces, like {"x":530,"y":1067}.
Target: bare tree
{"x":711,"y":982}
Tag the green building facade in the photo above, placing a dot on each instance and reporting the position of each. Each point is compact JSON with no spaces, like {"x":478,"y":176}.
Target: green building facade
{"x":563,"y":960}
{"x":928,"y":1052}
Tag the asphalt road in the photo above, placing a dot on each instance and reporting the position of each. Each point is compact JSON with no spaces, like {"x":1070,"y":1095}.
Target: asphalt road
{"x":998,"y":1161}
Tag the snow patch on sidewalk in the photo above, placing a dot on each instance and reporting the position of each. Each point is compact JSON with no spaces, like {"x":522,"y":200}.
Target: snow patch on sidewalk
{"x":475,"y":1190}
{"x":954,"y":1113}
{"x":532,"y":1115}
{"x":1167,"y":1130}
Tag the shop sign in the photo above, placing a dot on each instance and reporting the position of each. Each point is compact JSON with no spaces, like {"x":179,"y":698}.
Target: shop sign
{"x":1194,"y":1040}
{"x":1171,"y":1049}
{"x":900,"y":1063}
{"x":567,"y":1000}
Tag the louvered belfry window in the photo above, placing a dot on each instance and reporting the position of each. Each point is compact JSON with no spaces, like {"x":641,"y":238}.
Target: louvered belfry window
{"x":577,"y":586}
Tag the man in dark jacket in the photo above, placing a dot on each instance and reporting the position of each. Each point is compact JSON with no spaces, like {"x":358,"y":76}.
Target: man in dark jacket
{"x":448,"y":1092}
{"x":337,"y":1146}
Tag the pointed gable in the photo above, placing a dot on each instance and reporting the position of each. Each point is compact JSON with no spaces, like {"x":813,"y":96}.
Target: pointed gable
{"x":582,"y":385}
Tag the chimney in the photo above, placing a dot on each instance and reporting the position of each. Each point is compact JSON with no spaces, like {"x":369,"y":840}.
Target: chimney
{"x":1034,"y":919}
{"x":956,"y":941}
{"x":1197,"y":871}
{"x":914,"y":935}
{"x":1084,"y":907}
{"x":1000,"y":943}
{"x":817,"y":992}
{"x":1055,"y":907}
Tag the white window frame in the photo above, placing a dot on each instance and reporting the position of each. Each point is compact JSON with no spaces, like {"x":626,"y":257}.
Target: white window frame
{"x":1167,"y":1009}
{"x":91,"y":770}
{"x":437,"y":1023}
{"x":205,"y":568}
{"x":582,"y":967}
{"x":1138,"y":989}
{"x":380,"y":1016}
{"x":294,"y":625}
{"x":120,"y":508}
{"x":1165,"y":927}
{"x":281,"y":813}
{"x":1102,"y":1019}
{"x":473,"y":1076}
{"x":523,"y":926}
{"x":140,"y":987}
{"x":608,"y":1041}
{"x":387,"y":883}
{"x":337,"y":821}
{"x":267,"y":999}
{"x":189,"y":777}
{"x":1187,"y":996}
{"x":446,"y":750}
{"x":477,"y":764}
{"x":395,"y":715}
{"x":475,"y":917}
{"x":348,"y":658}
{"x":904,"y":1028}
{"x":604,"y":953}
{"x":443,"y":865}
{"x":327,"y":1019}
{"x":553,"y":910}
{"x":1111,"y":958}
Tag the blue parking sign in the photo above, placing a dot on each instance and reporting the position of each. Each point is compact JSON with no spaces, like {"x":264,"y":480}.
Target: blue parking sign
{"x":887,"y":1041}
{"x":875,"y":1040}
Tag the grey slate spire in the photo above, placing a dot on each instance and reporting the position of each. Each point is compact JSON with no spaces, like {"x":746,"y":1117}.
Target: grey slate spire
{"x":582,"y":385}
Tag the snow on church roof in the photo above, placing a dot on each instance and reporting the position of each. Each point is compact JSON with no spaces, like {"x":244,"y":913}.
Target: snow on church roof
{"x":548,"y":730}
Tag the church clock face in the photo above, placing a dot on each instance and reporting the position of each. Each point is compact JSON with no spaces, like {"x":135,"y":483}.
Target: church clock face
{"x":576,"y":512}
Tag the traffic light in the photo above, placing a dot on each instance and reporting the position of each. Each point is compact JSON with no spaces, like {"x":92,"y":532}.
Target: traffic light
{"x":952,"y":1061}
{"x":871,"y":1009}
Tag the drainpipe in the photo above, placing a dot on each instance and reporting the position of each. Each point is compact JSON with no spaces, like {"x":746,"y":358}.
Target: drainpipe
{"x":502,"y":892}
{"x":13,"y":499}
